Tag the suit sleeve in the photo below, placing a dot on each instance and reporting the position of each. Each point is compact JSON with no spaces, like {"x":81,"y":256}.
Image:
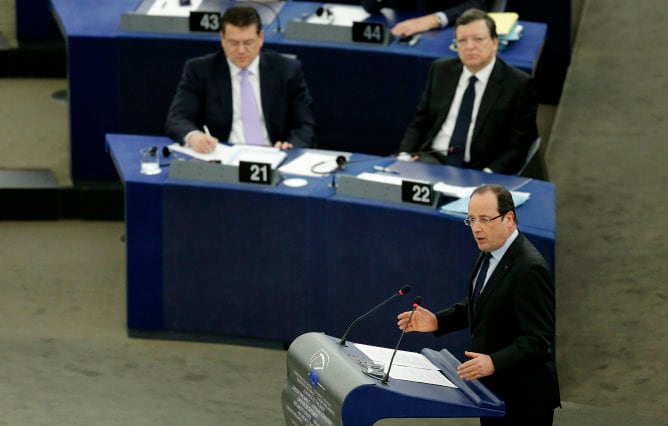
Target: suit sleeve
{"x":453,"y":318}
{"x":184,"y":113}
{"x":301,"y":121}
{"x":423,"y":121}
{"x":522,"y":130}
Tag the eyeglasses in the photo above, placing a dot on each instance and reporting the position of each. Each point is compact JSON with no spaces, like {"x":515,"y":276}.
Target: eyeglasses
{"x":470,"y":221}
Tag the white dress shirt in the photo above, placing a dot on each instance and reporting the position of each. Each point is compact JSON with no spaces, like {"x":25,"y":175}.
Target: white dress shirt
{"x":442,"y":140}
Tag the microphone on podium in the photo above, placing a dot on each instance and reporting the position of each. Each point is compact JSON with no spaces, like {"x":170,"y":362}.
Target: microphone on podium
{"x":405,"y":289}
{"x":416,"y":303}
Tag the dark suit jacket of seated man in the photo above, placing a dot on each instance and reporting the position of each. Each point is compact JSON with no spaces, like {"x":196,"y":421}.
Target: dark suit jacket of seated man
{"x":204,"y":94}
{"x":505,"y":125}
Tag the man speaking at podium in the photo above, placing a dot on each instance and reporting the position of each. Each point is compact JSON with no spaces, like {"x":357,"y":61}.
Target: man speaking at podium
{"x":510,"y":313}
{"x":242,"y":94}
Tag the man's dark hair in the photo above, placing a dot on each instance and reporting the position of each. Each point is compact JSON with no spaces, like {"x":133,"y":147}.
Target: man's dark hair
{"x":472,"y":15}
{"x":504,"y":198}
{"x":241,"y":16}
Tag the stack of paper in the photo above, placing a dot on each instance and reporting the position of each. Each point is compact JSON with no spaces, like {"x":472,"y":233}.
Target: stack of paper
{"x":507,"y":27}
{"x":231,"y":155}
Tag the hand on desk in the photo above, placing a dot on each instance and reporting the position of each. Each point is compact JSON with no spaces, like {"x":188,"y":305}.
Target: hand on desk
{"x":422,"y":320}
{"x":404,"y":156}
{"x":201,"y":142}
{"x":283,"y":145}
{"x":415,"y":25}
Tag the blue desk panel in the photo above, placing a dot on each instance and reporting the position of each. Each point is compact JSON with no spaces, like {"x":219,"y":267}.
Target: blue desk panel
{"x":365,"y":95}
{"x":274,"y":262}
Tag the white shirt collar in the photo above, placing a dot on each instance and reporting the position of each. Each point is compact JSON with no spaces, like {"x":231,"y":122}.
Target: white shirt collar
{"x":253,"y":68}
{"x":482,"y":75}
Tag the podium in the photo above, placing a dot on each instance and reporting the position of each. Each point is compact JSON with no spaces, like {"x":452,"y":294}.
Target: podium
{"x":326,"y":385}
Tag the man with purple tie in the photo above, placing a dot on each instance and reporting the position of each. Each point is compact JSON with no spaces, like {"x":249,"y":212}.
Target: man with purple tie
{"x":241,"y":94}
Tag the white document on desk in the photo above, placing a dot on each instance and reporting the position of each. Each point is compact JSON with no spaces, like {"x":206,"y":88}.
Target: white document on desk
{"x":410,"y":366}
{"x":231,"y":155}
{"x":172,"y":8}
{"x":314,"y":163}
{"x":341,"y":15}
{"x":218,"y":154}
{"x":254,"y":154}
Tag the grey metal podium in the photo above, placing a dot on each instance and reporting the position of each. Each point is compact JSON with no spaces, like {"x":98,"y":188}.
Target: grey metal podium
{"x":326,"y":385}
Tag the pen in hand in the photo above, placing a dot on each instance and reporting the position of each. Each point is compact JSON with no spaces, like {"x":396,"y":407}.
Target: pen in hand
{"x":206,"y":130}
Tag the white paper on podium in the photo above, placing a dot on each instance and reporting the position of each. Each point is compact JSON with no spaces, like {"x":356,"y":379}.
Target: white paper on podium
{"x":410,"y":366}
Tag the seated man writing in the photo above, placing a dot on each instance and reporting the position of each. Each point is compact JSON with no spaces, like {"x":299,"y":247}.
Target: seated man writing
{"x":241,"y":94}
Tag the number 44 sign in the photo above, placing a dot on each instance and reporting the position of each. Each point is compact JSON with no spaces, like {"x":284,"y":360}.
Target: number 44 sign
{"x":369,"y":32}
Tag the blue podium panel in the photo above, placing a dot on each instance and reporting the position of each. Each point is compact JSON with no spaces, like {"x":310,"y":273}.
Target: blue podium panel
{"x":364,"y":95}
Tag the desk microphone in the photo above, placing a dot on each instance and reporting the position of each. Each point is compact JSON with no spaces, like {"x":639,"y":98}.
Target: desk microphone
{"x":416,"y":303}
{"x":405,"y":289}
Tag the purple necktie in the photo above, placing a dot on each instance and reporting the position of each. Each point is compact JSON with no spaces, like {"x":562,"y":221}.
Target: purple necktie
{"x":250,"y":113}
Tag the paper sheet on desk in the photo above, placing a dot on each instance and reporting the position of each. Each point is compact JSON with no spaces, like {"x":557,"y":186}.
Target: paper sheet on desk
{"x":172,"y":8}
{"x":461,"y":206}
{"x":410,"y":366}
{"x":231,"y":155}
{"x":340,"y":15}
{"x":313,"y":163}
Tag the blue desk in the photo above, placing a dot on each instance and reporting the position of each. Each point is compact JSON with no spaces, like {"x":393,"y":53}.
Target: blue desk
{"x":365,"y":95}
{"x":276,"y":262}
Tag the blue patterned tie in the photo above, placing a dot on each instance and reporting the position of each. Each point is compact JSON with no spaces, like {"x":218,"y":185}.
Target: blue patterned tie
{"x":480,"y":281}
{"x":457,"y":146}
{"x":250,"y":113}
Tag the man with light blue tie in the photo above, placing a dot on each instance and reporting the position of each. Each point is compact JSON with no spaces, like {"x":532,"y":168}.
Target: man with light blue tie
{"x":241,"y":94}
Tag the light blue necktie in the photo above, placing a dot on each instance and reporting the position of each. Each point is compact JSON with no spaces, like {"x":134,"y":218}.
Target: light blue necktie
{"x":250,"y":113}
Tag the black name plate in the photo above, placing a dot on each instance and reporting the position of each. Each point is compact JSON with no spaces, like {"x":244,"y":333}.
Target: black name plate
{"x":251,"y":172}
{"x":417,"y":193}
{"x":369,"y":32}
{"x":208,"y":22}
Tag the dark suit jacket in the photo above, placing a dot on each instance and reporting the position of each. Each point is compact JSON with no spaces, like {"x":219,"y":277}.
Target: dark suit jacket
{"x":514,"y":323}
{"x":506,"y":123}
{"x":204,"y":96}
{"x":451,"y":8}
